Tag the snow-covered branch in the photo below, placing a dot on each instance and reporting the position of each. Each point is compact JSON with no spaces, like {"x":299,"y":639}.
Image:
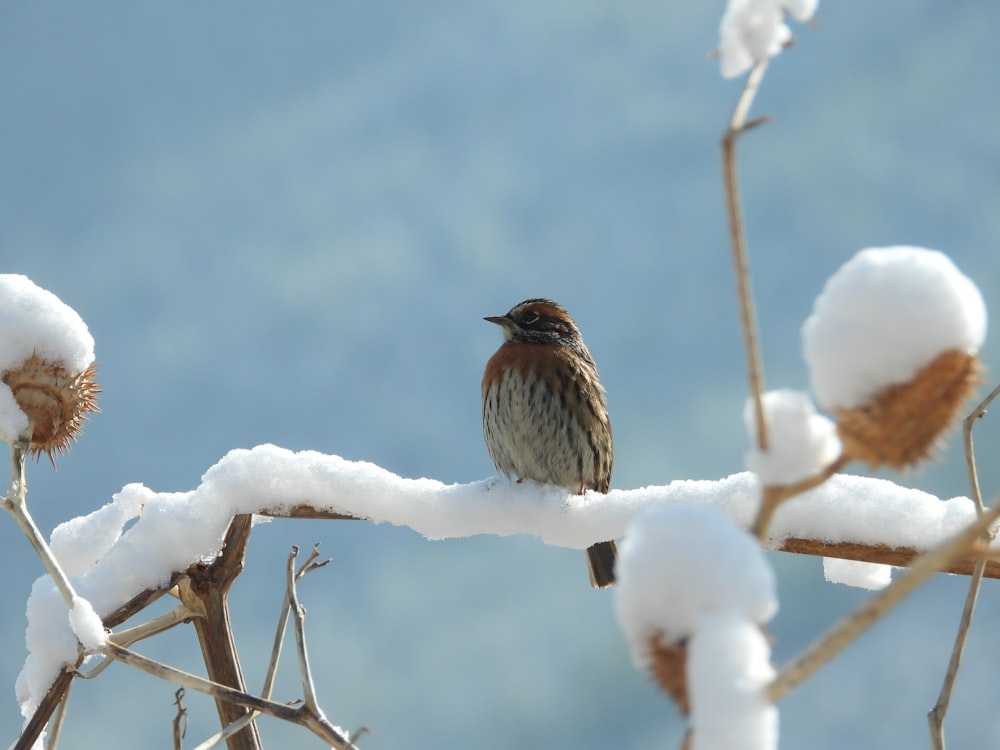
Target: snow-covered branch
{"x":172,"y":530}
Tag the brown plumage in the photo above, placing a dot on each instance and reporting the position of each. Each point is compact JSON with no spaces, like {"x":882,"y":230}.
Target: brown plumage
{"x":544,"y":415}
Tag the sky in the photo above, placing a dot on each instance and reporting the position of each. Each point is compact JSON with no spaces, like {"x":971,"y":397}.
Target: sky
{"x":284,"y":225}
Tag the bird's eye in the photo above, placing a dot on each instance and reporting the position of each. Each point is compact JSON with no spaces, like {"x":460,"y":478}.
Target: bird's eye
{"x":529,"y":317}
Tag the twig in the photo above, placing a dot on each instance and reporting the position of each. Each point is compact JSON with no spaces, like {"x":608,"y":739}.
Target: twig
{"x":57,"y":721}
{"x":16,"y":504}
{"x":852,"y":626}
{"x":272,"y":668}
{"x":900,"y":557}
{"x":774,"y":495}
{"x":321,"y":728}
{"x":738,"y":125}
{"x":968,"y":425}
{"x":178,"y":615}
{"x":180,"y":720}
{"x":298,"y":618}
{"x":55,"y":695}
{"x":206,"y":590}
{"x":936,"y":716}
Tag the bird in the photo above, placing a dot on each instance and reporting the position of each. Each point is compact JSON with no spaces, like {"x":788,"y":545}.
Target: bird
{"x":544,"y":412}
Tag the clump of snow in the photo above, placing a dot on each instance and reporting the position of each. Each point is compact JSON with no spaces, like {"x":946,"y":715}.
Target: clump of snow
{"x":80,"y":542}
{"x":887,"y":313}
{"x":690,"y":573}
{"x":33,"y":320}
{"x":50,"y":641}
{"x":172,"y":530}
{"x":862,"y":575}
{"x":755,"y":30}
{"x":801,"y":442}
{"x":86,"y":625}
{"x":677,"y":564}
{"x":729,"y":667}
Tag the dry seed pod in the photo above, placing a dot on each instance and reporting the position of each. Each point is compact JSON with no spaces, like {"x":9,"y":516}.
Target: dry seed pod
{"x":902,"y":423}
{"x":668,"y":663}
{"x":55,"y":401}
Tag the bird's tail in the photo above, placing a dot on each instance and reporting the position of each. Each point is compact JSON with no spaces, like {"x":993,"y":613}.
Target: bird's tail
{"x":601,"y":564}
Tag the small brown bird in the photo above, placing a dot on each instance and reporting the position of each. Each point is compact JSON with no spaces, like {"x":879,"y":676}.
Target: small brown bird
{"x":544,"y":416}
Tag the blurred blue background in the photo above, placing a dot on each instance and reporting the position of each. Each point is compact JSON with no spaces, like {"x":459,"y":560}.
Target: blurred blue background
{"x":284,"y":222}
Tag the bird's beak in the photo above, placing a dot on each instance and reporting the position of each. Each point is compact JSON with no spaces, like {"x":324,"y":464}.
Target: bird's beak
{"x":500,"y":320}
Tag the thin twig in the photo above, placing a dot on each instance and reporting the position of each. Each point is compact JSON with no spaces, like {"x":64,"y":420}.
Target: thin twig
{"x":55,"y":728}
{"x":737,"y":238}
{"x":852,"y":626}
{"x":55,"y":695}
{"x":298,"y":619}
{"x":970,"y":454}
{"x":774,"y":495}
{"x":206,"y":590}
{"x":177,"y":616}
{"x":180,"y":720}
{"x":16,"y":504}
{"x":936,"y":716}
{"x":320,"y":727}
{"x":272,"y":668}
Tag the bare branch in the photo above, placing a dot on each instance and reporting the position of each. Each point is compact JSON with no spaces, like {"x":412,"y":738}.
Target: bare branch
{"x":737,"y":240}
{"x":157,"y":625}
{"x":180,"y":720}
{"x":206,"y":590}
{"x":16,"y":504}
{"x":774,"y":495}
{"x":857,"y":622}
{"x":272,"y":667}
{"x":298,"y":619}
{"x":317,"y":725}
{"x":936,"y":716}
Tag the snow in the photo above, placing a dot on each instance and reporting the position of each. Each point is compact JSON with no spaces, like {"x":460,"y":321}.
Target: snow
{"x":86,"y":625}
{"x":78,"y":544}
{"x":33,"y":320}
{"x":862,"y":575}
{"x":801,"y":443}
{"x":690,"y":573}
{"x":883,"y":316}
{"x":143,"y":536}
{"x":755,"y":30}
{"x":729,"y":667}
{"x":676,"y":564}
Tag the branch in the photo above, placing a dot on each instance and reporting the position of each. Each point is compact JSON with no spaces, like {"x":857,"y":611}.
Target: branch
{"x":206,"y":590}
{"x":857,"y":622}
{"x":58,"y":690}
{"x":935,"y":717}
{"x":16,"y":504}
{"x":737,"y":239}
{"x":300,"y":716}
{"x":272,"y":668}
{"x":774,"y":495}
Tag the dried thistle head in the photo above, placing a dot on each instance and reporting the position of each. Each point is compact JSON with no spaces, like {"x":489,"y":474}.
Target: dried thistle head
{"x":668,"y":664}
{"x":55,"y":401}
{"x":901,"y":425}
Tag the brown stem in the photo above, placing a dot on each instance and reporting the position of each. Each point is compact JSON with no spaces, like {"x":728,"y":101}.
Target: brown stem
{"x":774,"y":495}
{"x":206,"y":590}
{"x":737,"y":239}
{"x":936,"y":716}
{"x":900,"y":557}
{"x":853,"y":625}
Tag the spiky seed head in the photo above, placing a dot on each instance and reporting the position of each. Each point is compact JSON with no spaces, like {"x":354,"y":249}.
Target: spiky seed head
{"x":55,"y":401}
{"x":902,"y":423}
{"x":668,"y":665}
